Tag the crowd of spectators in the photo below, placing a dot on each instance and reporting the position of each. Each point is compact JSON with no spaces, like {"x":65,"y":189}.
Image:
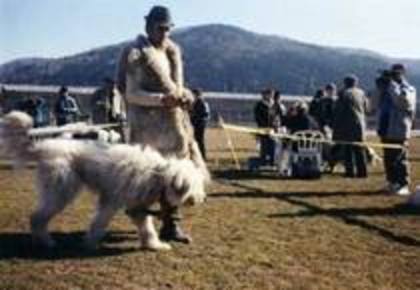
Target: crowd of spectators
{"x":340,"y":114}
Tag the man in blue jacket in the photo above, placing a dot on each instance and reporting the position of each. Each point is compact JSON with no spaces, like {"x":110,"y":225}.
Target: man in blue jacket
{"x":66,"y":109}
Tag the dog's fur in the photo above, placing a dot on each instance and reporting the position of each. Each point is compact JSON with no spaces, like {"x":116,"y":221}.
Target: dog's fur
{"x":124,"y":176}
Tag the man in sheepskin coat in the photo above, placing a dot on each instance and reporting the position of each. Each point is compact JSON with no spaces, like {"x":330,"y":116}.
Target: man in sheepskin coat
{"x":150,"y":76}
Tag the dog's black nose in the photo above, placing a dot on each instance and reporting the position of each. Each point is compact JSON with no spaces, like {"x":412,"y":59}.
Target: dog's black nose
{"x":190,"y":201}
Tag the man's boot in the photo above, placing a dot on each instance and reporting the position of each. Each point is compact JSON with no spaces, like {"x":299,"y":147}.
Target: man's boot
{"x":171,"y":230}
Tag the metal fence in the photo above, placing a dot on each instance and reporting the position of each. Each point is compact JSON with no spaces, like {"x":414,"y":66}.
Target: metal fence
{"x":233,"y":107}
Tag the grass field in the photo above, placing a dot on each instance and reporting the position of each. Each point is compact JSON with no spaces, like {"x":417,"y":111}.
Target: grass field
{"x":255,"y":232}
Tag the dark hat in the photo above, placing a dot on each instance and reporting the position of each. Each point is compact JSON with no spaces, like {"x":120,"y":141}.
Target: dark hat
{"x":197,"y":91}
{"x":398,"y":67}
{"x":63,"y":89}
{"x":331,"y":87}
{"x":351,"y":80}
{"x":161,"y":15}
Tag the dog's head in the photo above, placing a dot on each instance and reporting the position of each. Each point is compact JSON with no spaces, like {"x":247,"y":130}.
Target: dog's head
{"x":185,"y":183}
{"x":16,"y":120}
{"x":14,"y":128}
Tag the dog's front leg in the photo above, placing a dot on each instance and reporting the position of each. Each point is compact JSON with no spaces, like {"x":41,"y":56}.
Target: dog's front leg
{"x":99,"y":224}
{"x":39,"y":223}
{"x":48,"y":207}
{"x":149,"y":238}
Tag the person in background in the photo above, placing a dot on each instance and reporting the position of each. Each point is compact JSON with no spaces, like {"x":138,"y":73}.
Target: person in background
{"x":66,"y":108}
{"x":37,"y":108}
{"x":200,"y":116}
{"x":27,"y":105}
{"x":316,"y":107}
{"x":101,"y":102}
{"x":396,"y":111}
{"x":328,"y":102}
{"x":330,"y":152}
{"x":107,"y":104}
{"x":4,"y":108}
{"x":41,"y":112}
{"x":349,"y":125}
{"x":281,"y":145}
{"x":279,"y":110}
{"x":299,"y":119}
{"x":264,"y":117}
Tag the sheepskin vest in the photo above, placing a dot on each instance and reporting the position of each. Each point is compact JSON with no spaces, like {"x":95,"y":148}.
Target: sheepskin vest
{"x":149,"y":70}
{"x":153,"y":70}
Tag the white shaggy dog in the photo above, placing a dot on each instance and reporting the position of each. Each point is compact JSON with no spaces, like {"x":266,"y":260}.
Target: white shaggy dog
{"x":124,"y":176}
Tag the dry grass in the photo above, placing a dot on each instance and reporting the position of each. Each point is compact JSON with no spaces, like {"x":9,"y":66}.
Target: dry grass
{"x":255,"y":232}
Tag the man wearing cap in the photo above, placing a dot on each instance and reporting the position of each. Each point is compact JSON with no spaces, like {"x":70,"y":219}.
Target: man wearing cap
{"x":397,"y":105}
{"x":150,"y":76}
{"x":349,"y":125}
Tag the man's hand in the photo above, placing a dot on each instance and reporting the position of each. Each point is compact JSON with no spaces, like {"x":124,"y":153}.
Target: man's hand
{"x":170,"y":101}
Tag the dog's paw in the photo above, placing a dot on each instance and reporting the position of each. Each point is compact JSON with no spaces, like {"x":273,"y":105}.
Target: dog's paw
{"x":157,"y":246}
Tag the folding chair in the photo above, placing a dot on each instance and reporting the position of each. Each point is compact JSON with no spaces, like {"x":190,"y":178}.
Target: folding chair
{"x":306,"y":156}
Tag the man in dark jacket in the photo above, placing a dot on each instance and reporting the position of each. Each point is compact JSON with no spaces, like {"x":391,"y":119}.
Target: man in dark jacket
{"x":349,"y":125}
{"x":316,"y":107}
{"x":264,"y":117}
{"x":328,"y":104}
{"x":200,"y":116}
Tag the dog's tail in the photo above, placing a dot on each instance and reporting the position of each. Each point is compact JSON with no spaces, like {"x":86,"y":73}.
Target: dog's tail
{"x":15,"y":141}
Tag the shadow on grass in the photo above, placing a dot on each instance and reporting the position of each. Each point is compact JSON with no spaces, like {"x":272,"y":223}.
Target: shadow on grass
{"x":286,"y":195}
{"x":269,"y":173}
{"x":246,"y":174}
{"x":69,"y":246}
{"x":351,"y":216}
{"x":9,"y":166}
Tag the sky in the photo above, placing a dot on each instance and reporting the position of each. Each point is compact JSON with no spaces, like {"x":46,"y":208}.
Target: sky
{"x":53,"y":28}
